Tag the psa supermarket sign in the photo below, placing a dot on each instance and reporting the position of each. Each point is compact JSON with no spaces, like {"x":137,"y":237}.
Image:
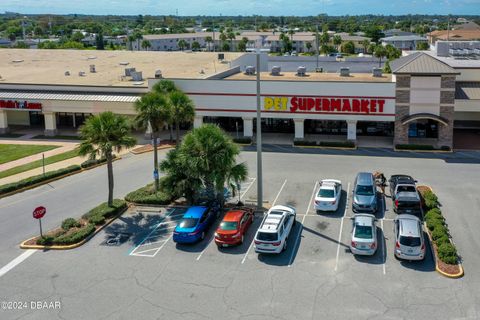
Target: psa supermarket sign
{"x":20,"y":105}
{"x":298,"y":104}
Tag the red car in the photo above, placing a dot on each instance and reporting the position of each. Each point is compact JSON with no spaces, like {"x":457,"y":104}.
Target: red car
{"x":233,"y":227}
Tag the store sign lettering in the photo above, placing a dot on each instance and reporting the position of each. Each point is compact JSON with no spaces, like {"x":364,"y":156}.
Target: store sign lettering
{"x":329,"y":105}
{"x":11,"y":104}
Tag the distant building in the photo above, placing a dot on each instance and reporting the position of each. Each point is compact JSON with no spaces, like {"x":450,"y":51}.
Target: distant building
{"x":453,"y":35}
{"x":404,"y":42}
{"x":468,"y":25}
{"x":397,"y":32}
{"x":357,"y":41}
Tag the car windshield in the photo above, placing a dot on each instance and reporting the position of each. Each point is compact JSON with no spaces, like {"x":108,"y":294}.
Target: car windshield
{"x":186,"y":223}
{"x":364,"y":190}
{"x":228,"y":225}
{"x":363,"y":232}
{"x":406,"y":189}
{"x":267,"y":236}
{"x":410,"y":241}
{"x":326,"y":193}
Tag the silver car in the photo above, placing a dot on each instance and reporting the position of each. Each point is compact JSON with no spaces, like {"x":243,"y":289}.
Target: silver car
{"x":364,"y":193}
{"x":364,"y":235}
{"x":409,"y":240}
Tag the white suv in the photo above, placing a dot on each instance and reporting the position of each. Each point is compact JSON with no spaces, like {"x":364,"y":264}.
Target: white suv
{"x":273,"y":233}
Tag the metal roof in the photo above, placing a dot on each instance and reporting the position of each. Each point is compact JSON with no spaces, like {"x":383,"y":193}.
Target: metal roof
{"x":421,"y":63}
{"x":404,"y":38}
{"x":67,"y":96}
{"x":467,"y":90}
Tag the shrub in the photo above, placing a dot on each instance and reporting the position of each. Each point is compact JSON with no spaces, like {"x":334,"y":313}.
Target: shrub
{"x":75,"y":236}
{"x":431,"y":200}
{"x":70,"y":223}
{"x":433,"y":224}
{"x":434,"y":213}
{"x":105,"y":211}
{"x":244,"y":140}
{"x":45,"y":241}
{"x":439,"y":231}
{"x":442,"y":240}
{"x":147,"y":195}
{"x":37,"y":179}
{"x":96,"y":220}
{"x":447,"y":253}
{"x":338,"y":144}
{"x":92,"y":162}
{"x":414,"y":147}
{"x":305,"y":143}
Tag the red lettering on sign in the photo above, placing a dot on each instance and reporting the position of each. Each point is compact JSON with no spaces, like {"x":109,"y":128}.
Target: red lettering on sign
{"x":318,"y":104}
{"x":356,"y":105}
{"x":336,"y":104}
{"x":10,"y":104}
{"x":365,"y":104}
{"x":294,"y":104}
{"x":380,"y":105}
{"x":346,"y":106}
{"x":373,"y":106}
{"x":310,"y":103}
{"x":325,"y":104}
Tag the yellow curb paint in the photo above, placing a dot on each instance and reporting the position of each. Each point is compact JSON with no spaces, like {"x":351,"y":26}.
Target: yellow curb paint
{"x":430,"y":151}
{"x":320,"y":147}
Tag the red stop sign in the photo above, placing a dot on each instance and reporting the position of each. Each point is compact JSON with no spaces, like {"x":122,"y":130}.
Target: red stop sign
{"x":39,"y":212}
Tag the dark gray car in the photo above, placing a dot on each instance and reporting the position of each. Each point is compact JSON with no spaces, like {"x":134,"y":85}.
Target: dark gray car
{"x":364,"y":193}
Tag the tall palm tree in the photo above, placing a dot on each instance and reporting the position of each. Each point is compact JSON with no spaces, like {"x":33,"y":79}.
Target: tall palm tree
{"x":165,"y":87}
{"x":209,"y":40}
{"x":337,"y":41}
{"x":152,"y":111}
{"x":102,"y":135}
{"x":182,"y":109}
{"x":231,"y":35}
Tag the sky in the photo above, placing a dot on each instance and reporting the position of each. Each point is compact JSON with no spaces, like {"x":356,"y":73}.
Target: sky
{"x":243,"y":7}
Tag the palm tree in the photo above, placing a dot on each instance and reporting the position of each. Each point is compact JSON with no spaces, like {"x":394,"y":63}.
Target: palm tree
{"x":337,"y":41}
{"x":182,"y":110}
{"x":208,"y":40}
{"x":231,"y":36}
{"x":165,"y":87}
{"x":152,"y":111}
{"x":223,"y":37}
{"x":146,"y":44}
{"x":182,"y":44}
{"x":380,"y":52}
{"x":365,"y":44}
{"x":102,"y":135}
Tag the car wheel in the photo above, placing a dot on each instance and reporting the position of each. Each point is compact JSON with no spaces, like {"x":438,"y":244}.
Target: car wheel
{"x":203,"y":235}
{"x":294,"y":221}
{"x":284,"y":245}
{"x":242,"y":239}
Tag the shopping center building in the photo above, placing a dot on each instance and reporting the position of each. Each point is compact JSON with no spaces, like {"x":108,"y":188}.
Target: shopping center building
{"x":423,"y":101}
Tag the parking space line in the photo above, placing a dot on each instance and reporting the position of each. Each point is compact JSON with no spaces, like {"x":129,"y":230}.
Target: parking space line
{"x":303,"y":220}
{"x":273,"y":203}
{"x":154,"y":229}
{"x":15,"y":262}
{"x":383,"y":248}
{"x":341,"y":227}
{"x":248,"y":188}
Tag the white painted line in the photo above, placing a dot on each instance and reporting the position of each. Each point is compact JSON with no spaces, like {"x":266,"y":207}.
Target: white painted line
{"x":278,"y":194}
{"x":248,"y":188}
{"x":341,"y":228}
{"x":303,"y":220}
{"x":148,"y":243}
{"x":246,"y":254}
{"x":383,"y":248}
{"x":15,"y":262}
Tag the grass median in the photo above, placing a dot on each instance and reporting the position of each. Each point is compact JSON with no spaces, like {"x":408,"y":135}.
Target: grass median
{"x":11,"y":152}
{"x":39,"y":163}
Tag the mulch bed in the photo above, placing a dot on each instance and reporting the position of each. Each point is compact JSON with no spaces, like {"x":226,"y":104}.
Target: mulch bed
{"x":447,"y":268}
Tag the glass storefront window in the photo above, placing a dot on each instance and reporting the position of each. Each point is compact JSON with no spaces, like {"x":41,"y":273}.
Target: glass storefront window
{"x":424,"y":128}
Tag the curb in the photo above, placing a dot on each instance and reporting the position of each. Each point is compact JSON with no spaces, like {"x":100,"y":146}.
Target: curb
{"x":426,"y":151}
{"x":321,"y":147}
{"x":158,"y":148}
{"x":70,"y":246}
{"x":33,"y":186}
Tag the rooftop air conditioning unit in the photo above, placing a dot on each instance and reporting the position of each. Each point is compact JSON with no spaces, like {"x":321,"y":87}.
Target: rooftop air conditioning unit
{"x":92,"y":68}
{"x":128,"y":71}
{"x":377,"y":72}
{"x":158,"y":74}
{"x":250,"y":70}
{"x":67,"y":73}
{"x":344,"y":72}
{"x":275,"y":71}
{"x":136,"y":75}
{"x":301,"y":71}
{"x":81,"y":74}
{"x":221,"y":56}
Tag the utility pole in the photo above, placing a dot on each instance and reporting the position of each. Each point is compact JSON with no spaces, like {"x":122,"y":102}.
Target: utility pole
{"x":259,"y":139}
{"x":316,"y":48}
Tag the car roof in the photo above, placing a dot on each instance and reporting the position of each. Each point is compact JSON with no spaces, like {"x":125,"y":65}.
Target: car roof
{"x":364,"y":219}
{"x":409,"y":225}
{"x":195,"y":212}
{"x":364,"y":178}
{"x":273,"y":218}
{"x":233,"y":215}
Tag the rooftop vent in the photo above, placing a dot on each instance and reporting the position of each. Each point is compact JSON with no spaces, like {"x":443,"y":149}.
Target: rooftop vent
{"x":250,"y":70}
{"x":136,"y":75}
{"x":377,"y":72}
{"x":67,"y":73}
{"x":221,"y":56}
{"x":275,"y":71}
{"x":344,"y":72}
{"x":301,"y":71}
{"x":158,"y":74}
{"x":92,"y":68}
{"x":81,"y":74}
{"x":124,"y":63}
{"x":91,"y":58}
{"x":128,"y":71}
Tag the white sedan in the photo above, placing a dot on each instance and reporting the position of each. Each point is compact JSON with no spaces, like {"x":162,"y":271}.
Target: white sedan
{"x":329,"y":195}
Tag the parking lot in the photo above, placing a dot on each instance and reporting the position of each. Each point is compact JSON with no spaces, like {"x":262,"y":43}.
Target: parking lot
{"x":133,"y":269}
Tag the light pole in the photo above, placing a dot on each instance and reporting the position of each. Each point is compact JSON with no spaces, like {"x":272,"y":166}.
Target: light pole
{"x":259,"y":138}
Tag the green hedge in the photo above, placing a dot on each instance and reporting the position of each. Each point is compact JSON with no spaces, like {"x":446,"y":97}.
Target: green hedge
{"x":147,"y":195}
{"x":420,"y":147}
{"x":69,"y":223}
{"x":37,"y":179}
{"x":448,"y":253}
{"x":245,"y":140}
{"x":75,"y":237}
{"x":99,"y":214}
{"x":332,"y":144}
{"x":306,"y":143}
{"x":93,"y":162}
{"x":431,"y":200}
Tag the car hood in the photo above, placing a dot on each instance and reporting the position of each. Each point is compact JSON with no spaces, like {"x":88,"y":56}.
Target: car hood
{"x":364,"y":200}
{"x":408,"y":196}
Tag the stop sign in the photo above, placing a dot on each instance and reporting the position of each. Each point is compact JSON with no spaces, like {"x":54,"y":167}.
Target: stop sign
{"x":39,"y":212}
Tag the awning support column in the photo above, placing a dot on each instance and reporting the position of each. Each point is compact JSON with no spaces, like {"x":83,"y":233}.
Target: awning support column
{"x":352,"y":130}
{"x":299,"y":128}
{"x":50,"y":124}
{"x":3,"y":122}
{"x":247,"y":127}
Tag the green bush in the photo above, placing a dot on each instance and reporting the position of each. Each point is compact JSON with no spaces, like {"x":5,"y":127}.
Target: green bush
{"x":37,"y":179}
{"x":92,"y":162}
{"x":105,"y":211}
{"x":337,"y":144}
{"x":96,"y":220}
{"x":438,"y":232}
{"x":305,"y":143}
{"x":442,"y":240}
{"x":45,"y":241}
{"x":147,"y":195}
{"x":431,"y":200}
{"x":414,"y":147}
{"x":70,"y":223}
{"x":433,"y":224}
{"x":76,"y":236}
{"x":244,"y":140}
{"x":447,"y":253}
{"x":434,"y":213}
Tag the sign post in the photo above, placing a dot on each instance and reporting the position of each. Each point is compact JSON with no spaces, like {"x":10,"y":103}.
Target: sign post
{"x":38,"y":214}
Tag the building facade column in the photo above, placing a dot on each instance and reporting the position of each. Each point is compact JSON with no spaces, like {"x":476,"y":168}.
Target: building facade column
{"x":3,"y":122}
{"x":299,"y":128}
{"x":352,"y":130}
{"x":197,"y":122}
{"x":50,"y":123}
{"x":247,"y":127}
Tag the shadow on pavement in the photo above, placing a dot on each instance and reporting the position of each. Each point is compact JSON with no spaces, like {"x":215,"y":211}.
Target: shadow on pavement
{"x":284,"y":258}
{"x":427,"y":264}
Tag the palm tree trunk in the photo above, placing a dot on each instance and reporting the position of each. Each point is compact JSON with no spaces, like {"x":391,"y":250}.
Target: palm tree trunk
{"x":177,"y":131}
{"x":110,"y":177}
{"x":155,"y":162}
{"x":171,"y":132}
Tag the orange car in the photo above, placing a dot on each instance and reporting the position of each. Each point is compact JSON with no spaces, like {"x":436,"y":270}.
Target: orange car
{"x":233,"y":227}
